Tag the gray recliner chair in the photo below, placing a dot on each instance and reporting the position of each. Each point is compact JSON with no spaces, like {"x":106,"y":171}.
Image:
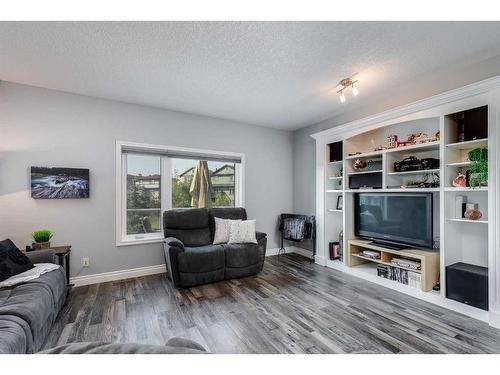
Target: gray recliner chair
{"x":190,"y":255}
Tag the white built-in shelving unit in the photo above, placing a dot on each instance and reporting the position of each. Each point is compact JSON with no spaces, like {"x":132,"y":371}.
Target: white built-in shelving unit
{"x":460,"y":240}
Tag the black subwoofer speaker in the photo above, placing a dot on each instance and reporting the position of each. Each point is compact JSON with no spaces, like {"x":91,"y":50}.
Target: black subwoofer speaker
{"x":366,"y":180}
{"x":335,"y":151}
{"x":476,"y":123}
{"x":468,"y":284}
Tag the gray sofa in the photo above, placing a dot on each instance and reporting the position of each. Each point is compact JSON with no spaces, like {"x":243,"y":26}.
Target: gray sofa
{"x":28,"y":310}
{"x":190,"y":255}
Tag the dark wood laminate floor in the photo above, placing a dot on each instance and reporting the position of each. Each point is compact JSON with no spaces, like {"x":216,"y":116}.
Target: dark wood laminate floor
{"x":293,"y":306}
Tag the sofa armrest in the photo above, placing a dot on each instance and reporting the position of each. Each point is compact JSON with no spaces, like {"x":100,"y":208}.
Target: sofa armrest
{"x":262,"y":242}
{"x":42,"y":256}
{"x":260,"y":235}
{"x":172,"y":247}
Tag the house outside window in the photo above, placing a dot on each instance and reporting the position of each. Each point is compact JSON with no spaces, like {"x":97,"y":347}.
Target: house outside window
{"x":222,"y":177}
{"x":143,"y":201}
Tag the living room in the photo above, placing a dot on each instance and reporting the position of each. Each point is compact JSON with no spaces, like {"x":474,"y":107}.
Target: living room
{"x":249,"y":187}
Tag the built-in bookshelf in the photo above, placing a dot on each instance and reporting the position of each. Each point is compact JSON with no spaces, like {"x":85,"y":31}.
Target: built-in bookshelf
{"x":465,"y":240}
{"x":457,"y":239}
{"x":334,"y":192}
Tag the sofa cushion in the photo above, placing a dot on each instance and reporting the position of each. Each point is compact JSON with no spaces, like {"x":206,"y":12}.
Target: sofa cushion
{"x":191,"y":218}
{"x":237,"y":213}
{"x":12,"y":260}
{"x":189,"y":279}
{"x":201,"y":259}
{"x":237,"y":272}
{"x":242,"y":254}
{"x":222,"y":230}
{"x":242,"y":232}
{"x":189,"y":225}
{"x":37,"y":303}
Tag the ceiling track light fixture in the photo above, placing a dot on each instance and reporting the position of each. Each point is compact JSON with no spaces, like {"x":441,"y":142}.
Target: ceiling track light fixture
{"x":346,"y":84}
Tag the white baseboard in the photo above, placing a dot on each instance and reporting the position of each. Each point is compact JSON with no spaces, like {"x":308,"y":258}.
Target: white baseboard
{"x":494,"y":318}
{"x":117,"y":275}
{"x":320,"y":260}
{"x":160,"y":268}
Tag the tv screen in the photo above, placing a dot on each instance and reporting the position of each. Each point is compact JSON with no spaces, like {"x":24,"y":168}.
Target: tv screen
{"x":397,"y":218}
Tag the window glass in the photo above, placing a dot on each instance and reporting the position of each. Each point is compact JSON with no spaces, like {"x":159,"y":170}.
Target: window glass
{"x":143,"y":194}
{"x":220,"y":189}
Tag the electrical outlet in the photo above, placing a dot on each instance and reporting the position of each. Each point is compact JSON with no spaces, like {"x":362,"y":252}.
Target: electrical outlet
{"x":86,"y":262}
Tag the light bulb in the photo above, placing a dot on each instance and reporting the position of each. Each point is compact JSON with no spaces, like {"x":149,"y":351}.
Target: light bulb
{"x":355,"y":90}
{"x":342,"y":97}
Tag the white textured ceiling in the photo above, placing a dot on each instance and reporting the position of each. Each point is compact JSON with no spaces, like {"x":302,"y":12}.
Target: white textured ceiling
{"x":276,"y":74}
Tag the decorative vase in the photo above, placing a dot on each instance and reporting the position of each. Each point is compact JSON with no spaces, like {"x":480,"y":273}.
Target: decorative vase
{"x":459,"y":181}
{"x":41,"y":245}
{"x":473,"y":214}
{"x":359,"y":164}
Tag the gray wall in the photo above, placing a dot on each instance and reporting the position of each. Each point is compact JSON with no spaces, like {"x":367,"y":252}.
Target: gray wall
{"x":304,"y":156}
{"x":49,"y":128}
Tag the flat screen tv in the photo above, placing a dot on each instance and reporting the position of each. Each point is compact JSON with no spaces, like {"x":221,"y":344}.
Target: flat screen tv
{"x":398,"y":219}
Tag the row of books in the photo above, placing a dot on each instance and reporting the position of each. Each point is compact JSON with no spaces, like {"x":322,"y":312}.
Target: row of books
{"x":405,"y":277}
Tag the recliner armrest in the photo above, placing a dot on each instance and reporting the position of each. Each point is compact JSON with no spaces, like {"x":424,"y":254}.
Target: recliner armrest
{"x":260,"y":235}
{"x":175,"y":242}
{"x":172,"y":247}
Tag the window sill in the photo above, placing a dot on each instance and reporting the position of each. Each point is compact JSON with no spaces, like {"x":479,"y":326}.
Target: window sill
{"x":141,"y":241}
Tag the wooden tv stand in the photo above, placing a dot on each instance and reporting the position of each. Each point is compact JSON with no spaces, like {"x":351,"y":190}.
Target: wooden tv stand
{"x":429,"y":260}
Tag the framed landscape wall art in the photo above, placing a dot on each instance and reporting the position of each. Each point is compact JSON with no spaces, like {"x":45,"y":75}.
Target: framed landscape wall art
{"x":59,"y":183}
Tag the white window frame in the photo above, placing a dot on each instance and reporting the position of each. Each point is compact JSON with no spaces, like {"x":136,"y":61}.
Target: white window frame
{"x":122,"y":239}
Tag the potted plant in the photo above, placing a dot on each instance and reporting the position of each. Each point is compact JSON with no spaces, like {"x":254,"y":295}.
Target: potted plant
{"x":479,"y":167}
{"x":42,"y":239}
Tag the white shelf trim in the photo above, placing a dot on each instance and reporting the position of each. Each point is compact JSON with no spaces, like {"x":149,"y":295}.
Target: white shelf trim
{"x":418,"y":147}
{"x":459,"y":164}
{"x":467,"y":145}
{"x":480,"y":221}
{"x":414,"y":172}
{"x":393,"y":190}
{"x":465,"y":189}
{"x":335,"y":162}
{"x":364,"y":172}
{"x":369,"y":154}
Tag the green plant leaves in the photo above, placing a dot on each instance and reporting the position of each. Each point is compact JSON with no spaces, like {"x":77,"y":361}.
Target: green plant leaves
{"x":479,"y":167}
{"x":42,"y":235}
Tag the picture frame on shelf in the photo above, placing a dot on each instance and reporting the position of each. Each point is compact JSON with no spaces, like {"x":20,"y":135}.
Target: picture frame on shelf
{"x":340,"y":202}
{"x":334,"y":250}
